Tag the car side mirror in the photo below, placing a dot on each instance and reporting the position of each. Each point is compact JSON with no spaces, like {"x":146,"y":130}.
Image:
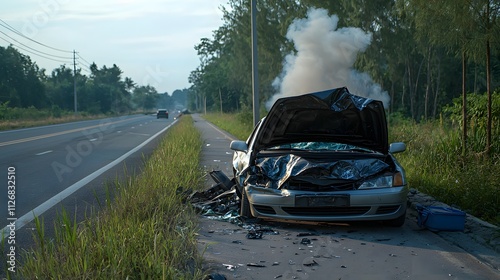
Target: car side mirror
{"x":238,"y":145}
{"x":397,"y":147}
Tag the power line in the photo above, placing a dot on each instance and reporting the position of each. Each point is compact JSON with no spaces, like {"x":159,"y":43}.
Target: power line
{"x":83,"y":59}
{"x":85,"y":67}
{"x":57,"y":60}
{"x":6,"y":25}
{"x":56,"y":56}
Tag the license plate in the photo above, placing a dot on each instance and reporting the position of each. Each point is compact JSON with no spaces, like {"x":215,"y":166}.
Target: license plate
{"x":322,"y":200}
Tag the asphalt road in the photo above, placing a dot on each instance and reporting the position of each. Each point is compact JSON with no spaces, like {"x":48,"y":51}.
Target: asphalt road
{"x":52,"y":163}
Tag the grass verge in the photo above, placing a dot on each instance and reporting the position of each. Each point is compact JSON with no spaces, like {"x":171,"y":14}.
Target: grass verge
{"x":240,"y":125}
{"x":145,"y":232}
{"x":24,"y":123}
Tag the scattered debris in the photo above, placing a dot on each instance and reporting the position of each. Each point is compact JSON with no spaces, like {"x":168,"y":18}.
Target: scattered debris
{"x":256,"y":265}
{"x":309,"y":262}
{"x":305,"y":241}
{"x":229,"y":266}
{"x":221,"y":202}
{"x":301,"y":234}
{"x":254,"y":234}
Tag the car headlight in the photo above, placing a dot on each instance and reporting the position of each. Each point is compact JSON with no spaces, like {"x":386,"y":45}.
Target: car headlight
{"x":383,"y":182}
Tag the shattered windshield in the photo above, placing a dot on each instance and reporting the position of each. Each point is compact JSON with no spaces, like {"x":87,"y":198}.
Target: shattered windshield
{"x":319,"y":146}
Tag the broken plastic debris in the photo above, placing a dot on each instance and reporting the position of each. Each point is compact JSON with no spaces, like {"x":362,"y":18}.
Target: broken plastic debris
{"x":254,"y":234}
{"x":229,"y":266}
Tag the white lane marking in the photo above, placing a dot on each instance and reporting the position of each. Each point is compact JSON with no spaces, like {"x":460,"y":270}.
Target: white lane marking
{"x":39,"y":210}
{"x":43,"y":153}
{"x":135,"y":133}
{"x":55,"y":134}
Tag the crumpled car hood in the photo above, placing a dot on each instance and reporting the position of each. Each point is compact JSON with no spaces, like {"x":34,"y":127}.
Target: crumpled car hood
{"x":279,"y":169}
{"x":328,"y":116}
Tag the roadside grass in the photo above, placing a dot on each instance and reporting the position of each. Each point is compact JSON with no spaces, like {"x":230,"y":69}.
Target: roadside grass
{"x":240,"y":125}
{"x":433,"y":162}
{"x":145,"y":232}
{"x":24,"y":123}
{"x":14,"y":118}
{"x":435,"y":165}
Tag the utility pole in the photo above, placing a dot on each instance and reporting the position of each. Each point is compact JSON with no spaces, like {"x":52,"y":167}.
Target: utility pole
{"x":255,"y":74}
{"x":74,"y":81}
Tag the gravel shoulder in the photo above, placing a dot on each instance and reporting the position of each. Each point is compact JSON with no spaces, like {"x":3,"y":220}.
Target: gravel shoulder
{"x":479,"y":238}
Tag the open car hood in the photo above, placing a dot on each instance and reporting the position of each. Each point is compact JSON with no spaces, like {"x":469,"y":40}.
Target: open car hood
{"x":328,"y":116}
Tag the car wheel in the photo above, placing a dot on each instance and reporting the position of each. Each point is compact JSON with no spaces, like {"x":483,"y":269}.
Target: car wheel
{"x":245,"y":211}
{"x":398,"y":222}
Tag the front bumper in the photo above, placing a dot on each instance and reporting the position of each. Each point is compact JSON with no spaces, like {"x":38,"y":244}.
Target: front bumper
{"x":360,"y":205}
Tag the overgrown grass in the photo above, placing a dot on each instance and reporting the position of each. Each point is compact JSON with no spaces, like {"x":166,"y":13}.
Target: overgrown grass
{"x":12,"y":118}
{"x":240,"y":125}
{"x":433,"y":163}
{"x":146,"y":232}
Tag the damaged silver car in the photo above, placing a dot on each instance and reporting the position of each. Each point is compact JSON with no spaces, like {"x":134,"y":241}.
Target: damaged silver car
{"x":321,"y":156}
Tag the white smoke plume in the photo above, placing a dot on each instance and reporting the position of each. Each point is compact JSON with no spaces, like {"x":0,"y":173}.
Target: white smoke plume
{"x":324,"y":59}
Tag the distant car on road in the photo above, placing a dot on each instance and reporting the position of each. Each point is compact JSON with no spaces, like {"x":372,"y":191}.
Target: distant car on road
{"x":322,"y":156}
{"x":162,"y":113}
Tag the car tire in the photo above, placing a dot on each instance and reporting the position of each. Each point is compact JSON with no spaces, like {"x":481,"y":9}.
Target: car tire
{"x":398,"y":222}
{"x":245,"y":211}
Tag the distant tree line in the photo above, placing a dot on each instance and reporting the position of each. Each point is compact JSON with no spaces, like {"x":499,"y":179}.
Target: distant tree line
{"x":24,"y":85}
{"x":418,"y":52}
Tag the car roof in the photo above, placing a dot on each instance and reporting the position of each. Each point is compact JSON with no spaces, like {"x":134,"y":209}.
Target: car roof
{"x":333,"y":115}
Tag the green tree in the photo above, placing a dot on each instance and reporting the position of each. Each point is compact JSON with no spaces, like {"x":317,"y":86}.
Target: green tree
{"x":20,"y":80}
{"x":60,"y":88}
{"x":108,"y":90}
{"x":223,"y":80}
{"x":145,"y":97}
{"x":466,"y":27}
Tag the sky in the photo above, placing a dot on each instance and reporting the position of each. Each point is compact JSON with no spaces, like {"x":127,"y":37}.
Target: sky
{"x":151,"y":41}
